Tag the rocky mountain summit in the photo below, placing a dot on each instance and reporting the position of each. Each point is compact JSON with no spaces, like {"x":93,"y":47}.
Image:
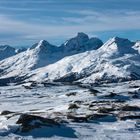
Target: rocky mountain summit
{"x":79,"y":59}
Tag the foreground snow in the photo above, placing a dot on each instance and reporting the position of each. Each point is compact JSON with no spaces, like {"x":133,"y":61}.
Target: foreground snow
{"x":53,"y":101}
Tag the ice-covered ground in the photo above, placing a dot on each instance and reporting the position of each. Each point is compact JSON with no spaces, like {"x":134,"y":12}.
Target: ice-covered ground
{"x":54,"y":101}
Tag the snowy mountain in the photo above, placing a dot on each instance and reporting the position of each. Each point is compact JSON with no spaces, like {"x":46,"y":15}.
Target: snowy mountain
{"x":28,"y":60}
{"x":43,"y":53}
{"x":43,"y":110}
{"x":81,"y":43}
{"x":115,"y":61}
{"x":6,"y":51}
{"x":79,"y":59}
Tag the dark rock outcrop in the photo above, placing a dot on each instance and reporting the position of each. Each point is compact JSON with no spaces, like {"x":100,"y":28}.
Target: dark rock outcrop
{"x":29,"y":122}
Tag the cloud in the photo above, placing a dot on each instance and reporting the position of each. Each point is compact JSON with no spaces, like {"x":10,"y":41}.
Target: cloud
{"x":88,"y":21}
{"x":109,"y":20}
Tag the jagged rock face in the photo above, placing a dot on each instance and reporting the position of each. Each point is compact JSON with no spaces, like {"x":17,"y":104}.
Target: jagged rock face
{"x":82,"y":43}
{"x":30,"y":122}
{"x":93,"y":44}
{"x":77,"y":42}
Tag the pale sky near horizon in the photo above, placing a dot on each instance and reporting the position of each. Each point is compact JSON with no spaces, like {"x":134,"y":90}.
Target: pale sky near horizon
{"x":24,"y":22}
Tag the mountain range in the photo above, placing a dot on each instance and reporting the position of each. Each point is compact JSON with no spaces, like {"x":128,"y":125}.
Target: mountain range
{"x":79,"y":59}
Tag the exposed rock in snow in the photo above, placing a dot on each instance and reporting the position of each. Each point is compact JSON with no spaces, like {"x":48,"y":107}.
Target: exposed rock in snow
{"x":81,"y":43}
{"x":93,"y":44}
{"x":61,"y":95}
{"x":137,"y":46}
{"x":20,"y":50}
{"x":115,"y":61}
{"x":77,"y":42}
{"x":30,"y":122}
{"x":43,"y":54}
{"x":48,"y":113}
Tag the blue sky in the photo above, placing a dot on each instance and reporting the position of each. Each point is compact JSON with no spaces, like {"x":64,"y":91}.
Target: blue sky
{"x":24,"y":22}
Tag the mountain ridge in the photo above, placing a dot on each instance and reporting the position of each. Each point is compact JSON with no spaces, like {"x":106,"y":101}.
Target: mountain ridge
{"x":116,"y":60}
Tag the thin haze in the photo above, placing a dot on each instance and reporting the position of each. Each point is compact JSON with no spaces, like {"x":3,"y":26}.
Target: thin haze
{"x":25,"y":22}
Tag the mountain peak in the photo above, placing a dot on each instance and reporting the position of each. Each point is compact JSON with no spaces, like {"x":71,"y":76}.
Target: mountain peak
{"x":3,"y":47}
{"x":105,"y":62}
{"x":43,"y":42}
{"x":93,"y":43}
{"x":117,"y":39}
{"x":81,"y":42}
{"x":120,"y":42}
{"x":45,"y":47}
{"x":117,"y":46}
{"x":40,"y":44}
{"x":6,"y":51}
{"x":82,"y":35}
{"x":76,"y":42}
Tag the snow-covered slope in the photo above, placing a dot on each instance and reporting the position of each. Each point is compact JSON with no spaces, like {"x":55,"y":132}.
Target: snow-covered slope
{"x":43,"y":54}
{"x":116,"y":60}
{"x":28,"y":60}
